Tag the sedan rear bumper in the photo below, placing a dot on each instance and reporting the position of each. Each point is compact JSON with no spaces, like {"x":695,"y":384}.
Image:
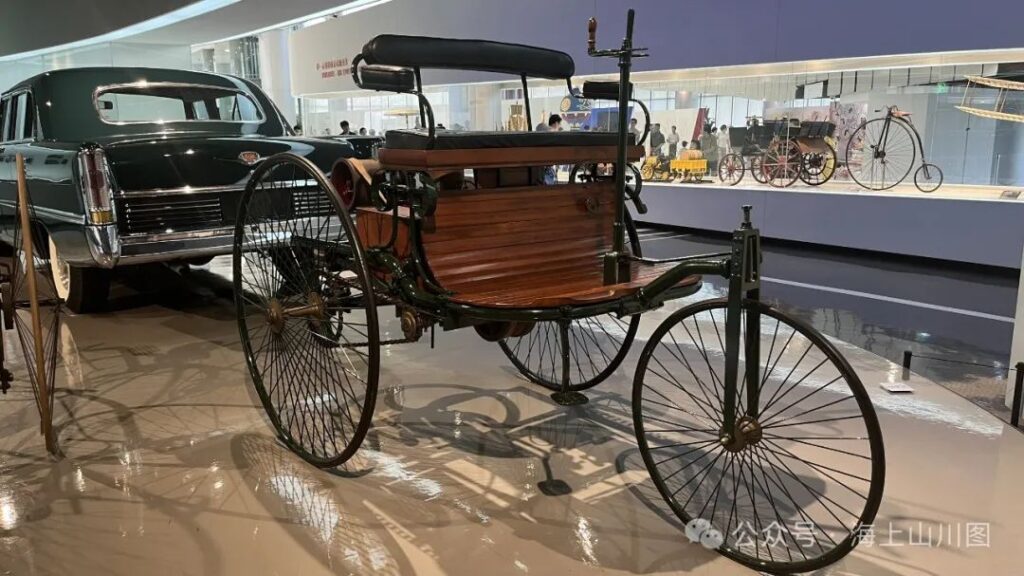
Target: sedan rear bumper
{"x":167,"y":247}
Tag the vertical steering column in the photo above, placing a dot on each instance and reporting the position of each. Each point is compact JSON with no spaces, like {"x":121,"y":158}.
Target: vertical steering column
{"x":616,"y":263}
{"x":744,"y":283}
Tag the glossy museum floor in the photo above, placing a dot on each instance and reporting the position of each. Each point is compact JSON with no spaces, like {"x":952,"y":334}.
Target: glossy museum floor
{"x":171,"y":468}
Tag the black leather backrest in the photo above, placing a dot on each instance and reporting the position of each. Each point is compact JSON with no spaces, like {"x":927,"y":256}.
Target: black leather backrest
{"x":603,"y":90}
{"x":484,"y":55}
{"x":389,"y":78}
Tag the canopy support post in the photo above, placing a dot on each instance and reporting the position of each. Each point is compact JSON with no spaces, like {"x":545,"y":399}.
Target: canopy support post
{"x":526,"y":102}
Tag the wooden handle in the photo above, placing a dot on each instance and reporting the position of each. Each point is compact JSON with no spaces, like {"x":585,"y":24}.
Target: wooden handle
{"x":592,"y":34}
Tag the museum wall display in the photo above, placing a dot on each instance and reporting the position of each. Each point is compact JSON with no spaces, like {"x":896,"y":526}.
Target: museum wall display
{"x":970,"y":150}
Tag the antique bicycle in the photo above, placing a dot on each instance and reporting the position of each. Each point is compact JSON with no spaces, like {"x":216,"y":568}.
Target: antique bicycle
{"x":882,"y":151}
{"x":744,"y":415}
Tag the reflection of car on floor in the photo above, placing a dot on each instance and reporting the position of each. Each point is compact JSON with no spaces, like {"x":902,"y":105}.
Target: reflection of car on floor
{"x":134,"y":165}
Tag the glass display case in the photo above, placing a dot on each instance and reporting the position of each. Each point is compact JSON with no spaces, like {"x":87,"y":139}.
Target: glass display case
{"x":975,"y":156}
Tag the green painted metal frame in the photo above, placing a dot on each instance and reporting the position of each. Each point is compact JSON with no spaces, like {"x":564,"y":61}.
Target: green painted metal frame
{"x":411,"y":282}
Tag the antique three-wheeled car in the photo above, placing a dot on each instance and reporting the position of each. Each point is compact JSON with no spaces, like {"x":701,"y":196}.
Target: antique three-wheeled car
{"x":753,"y":427}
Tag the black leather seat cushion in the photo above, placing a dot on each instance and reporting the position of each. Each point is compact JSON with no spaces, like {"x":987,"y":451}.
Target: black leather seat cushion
{"x":459,"y":140}
{"x":460,"y":54}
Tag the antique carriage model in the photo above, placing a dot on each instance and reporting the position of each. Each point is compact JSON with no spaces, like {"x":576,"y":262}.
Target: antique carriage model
{"x":751,"y":424}
{"x":781,"y":151}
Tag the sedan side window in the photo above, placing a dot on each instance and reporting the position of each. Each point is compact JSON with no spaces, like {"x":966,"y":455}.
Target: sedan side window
{"x":10,"y":118}
{"x":26,"y":120}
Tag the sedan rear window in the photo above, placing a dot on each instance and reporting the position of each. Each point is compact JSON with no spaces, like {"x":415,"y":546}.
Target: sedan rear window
{"x":159,"y":103}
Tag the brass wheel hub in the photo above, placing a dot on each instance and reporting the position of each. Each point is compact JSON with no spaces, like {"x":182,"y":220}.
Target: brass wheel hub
{"x":747,"y":432}
{"x":314,"y":310}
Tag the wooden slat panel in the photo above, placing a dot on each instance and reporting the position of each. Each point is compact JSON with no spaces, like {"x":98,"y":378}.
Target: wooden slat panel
{"x":515,"y":237}
{"x":519,"y":247}
{"x":399,"y":159}
{"x":582,"y":291}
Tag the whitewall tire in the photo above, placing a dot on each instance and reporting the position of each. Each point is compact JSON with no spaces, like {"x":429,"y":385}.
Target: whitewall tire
{"x":82,"y":289}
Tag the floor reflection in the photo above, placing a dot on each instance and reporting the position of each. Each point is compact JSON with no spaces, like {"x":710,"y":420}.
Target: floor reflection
{"x":957,"y":322}
{"x":172,"y":467}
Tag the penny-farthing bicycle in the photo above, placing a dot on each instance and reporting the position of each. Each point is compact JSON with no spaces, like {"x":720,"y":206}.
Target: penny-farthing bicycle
{"x":881,"y":153}
{"x":747,"y":419}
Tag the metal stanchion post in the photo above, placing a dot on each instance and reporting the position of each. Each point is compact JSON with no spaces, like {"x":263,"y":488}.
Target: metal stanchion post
{"x":1018,"y":392}
{"x":907,"y":357}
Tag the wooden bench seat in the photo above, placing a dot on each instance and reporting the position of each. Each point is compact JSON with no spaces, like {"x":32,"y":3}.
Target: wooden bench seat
{"x":530,"y":247}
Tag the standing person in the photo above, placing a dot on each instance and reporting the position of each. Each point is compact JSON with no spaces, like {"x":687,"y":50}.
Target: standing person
{"x":635,"y":130}
{"x":554,"y":125}
{"x":657,"y":140}
{"x":344,"y":128}
{"x":724,"y":144}
{"x":673,"y":143}
{"x":709,"y":146}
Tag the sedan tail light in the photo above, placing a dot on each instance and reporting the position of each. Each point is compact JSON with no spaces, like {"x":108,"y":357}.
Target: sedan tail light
{"x":94,"y":181}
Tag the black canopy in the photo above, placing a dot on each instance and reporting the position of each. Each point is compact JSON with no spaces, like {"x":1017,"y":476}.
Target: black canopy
{"x":458,"y":54}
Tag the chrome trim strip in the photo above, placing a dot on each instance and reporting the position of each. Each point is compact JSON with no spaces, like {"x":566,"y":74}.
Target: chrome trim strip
{"x":163,"y":256}
{"x":172,"y":236}
{"x":100,"y":90}
{"x":184,"y":190}
{"x":51,"y":212}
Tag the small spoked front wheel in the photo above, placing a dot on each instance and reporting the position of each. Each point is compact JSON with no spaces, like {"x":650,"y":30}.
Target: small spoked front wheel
{"x":797,"y":478}
{"x":306,"y":310}
{"x":730,"y":169}
{"x":818,"y":167}
{"x":928,"y":178}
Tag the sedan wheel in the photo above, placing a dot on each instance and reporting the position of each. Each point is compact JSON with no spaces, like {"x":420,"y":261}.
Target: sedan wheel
{"x":83,"y":289}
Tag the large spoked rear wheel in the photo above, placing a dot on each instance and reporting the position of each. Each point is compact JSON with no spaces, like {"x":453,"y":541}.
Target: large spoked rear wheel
{"x":781,"y":163}
{"x":597,"y":345}
{"x":800,"y":479}
{"x":306,"y":311}
{"x":880,"y":154}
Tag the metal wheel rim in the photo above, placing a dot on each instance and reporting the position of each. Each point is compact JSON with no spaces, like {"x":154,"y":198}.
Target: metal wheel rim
{"x":686,"y":513}
{"x":756,"y":170}
{"x":928,"y":188}
{"x":820,"y":175}
{"x":881,"y":180}
{"x":782,"y":163}
{"x":730,"y":170}
{"x":292,"y":422}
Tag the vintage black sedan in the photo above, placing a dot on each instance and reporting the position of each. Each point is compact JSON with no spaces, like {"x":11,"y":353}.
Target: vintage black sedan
{"x":137,"y":165}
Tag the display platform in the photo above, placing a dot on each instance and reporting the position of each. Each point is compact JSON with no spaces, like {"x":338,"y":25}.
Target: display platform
{"x":970,"y":224}
{"x":170,"y":462}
